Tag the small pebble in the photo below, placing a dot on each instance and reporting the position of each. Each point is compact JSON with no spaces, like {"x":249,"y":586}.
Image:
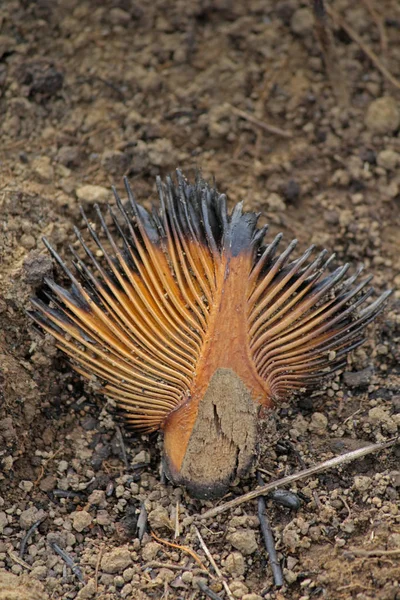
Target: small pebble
{"x":383,"y":115}
{"x":117,"y":560}
{"x":243,"y":540}
{"x":81,"y":519}
{"x":93,"y":194}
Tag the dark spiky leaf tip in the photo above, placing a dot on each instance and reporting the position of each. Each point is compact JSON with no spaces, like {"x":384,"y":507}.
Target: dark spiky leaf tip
{"x":190,"y":319}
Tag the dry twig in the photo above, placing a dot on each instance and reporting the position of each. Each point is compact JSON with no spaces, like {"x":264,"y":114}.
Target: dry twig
{"x":189,"y":551}
{"x":261,"y":124}
{"x":324,"y":466}
{"x":213,"y":563}
{"x":372,"y":553}
{"x":366,"y":49}
{"x":96,"y":574}
{"x":380,"y":23}
{"x":18,"y":560}
{"x":327,"y":45}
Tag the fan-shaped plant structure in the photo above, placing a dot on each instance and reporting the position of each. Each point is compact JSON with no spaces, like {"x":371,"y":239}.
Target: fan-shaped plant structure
{"x":192,"y":321}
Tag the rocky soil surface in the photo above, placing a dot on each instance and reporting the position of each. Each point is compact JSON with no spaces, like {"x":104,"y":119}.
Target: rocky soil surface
{"x":92,"y":91}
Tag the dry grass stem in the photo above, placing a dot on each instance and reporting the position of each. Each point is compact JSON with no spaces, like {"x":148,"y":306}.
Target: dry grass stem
{"x":262,"y":124}
{"x":324,"y":466}
{"x":213,"y":563}
{"x":326,"y":41}
{"x":189,"y":551}
{"x":366,"y":49}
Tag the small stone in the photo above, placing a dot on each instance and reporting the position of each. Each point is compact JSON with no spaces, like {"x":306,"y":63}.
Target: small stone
{"x":37,"y":266}
{"x":275,"y":203}
{"x":62,"y":466}
{"x":28,"y":241}
{"x":97,"y":497}
{"x":377,"y":415}
{"x":88,"y":591}
{"x":319,"y":423}
{"x":238,"y":589}
{"x":118,"y":16}
{"x":30,"y":516}
{"x":358,"y":378}
{"x":103,"y":518}
{"x":69,"y":156}
{"x":388,"y":159}
{"x":362,"y":483}
{"x":290,"y":576}
{"x":39,"y":572}
{"x":141,"y":457}
{"x":162,"y":153}
{"x":291,"y":539}
{"x":115,"y":162}
{"x":26,"y":485}
{"x":48,"y":483}
{"x":127,"y":590}
{"x":42,"y":168}
{"x":187,"y":577}
{"x":128,"y":574}
{"x":291,"y":191}
{"x":92,"y":194}
{"x":383,"y":115}
{"x":159,"y":518}
{"x":81,"y":519}
{"x":235,"y":564}
{"x":394,"y":541}
{"x":252,"y":597}
{"x":117,"y":560}
{"x":302,"y":22}
{"x":150,"y":551}
{"x":3,"y":521}
{"x":243,"y":540}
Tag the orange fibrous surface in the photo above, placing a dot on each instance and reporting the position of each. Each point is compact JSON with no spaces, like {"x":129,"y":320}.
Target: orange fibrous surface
{"x":189,"y":289}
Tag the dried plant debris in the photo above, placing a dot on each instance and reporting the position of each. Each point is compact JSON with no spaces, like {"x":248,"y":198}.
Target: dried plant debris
{"x":193,"y":321}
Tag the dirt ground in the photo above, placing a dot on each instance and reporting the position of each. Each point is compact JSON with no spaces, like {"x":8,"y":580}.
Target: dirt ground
{"x":91,"y":91}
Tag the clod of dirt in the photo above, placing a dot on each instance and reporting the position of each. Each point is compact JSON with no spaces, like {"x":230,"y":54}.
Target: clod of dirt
{"x":36,"y":267}
{"x":243,"y":540}
{"x":41,"y":77}
{"x":358,"y":378}
{"x":93,"y":194}
{"x":116,"y":561}
{"x":20,"y":588}
{"x":302,"y":22}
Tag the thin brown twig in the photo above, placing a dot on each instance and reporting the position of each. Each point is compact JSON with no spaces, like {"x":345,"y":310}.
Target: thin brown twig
{"x":326,"y":41}
{"x":96,"y":573}
{"x":189,"y":551}
{"x":18,"y":560}
{"x":45,"y":463}
{"x":262,"y":124}
{"x":319,"y":468}
{"x":380,"y":24}
{"x":213,"y":563}
{"x":372,"y":553}
{"x":366,"y":49}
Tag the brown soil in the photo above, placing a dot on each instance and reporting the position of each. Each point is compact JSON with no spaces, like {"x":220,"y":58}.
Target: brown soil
{"x":91,"y":91}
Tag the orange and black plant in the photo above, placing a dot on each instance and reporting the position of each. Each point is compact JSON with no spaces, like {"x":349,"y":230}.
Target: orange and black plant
{"x":191,"y":321}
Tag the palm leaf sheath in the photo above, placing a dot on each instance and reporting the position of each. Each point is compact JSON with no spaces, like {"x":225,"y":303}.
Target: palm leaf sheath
{"x":175,"y":296}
